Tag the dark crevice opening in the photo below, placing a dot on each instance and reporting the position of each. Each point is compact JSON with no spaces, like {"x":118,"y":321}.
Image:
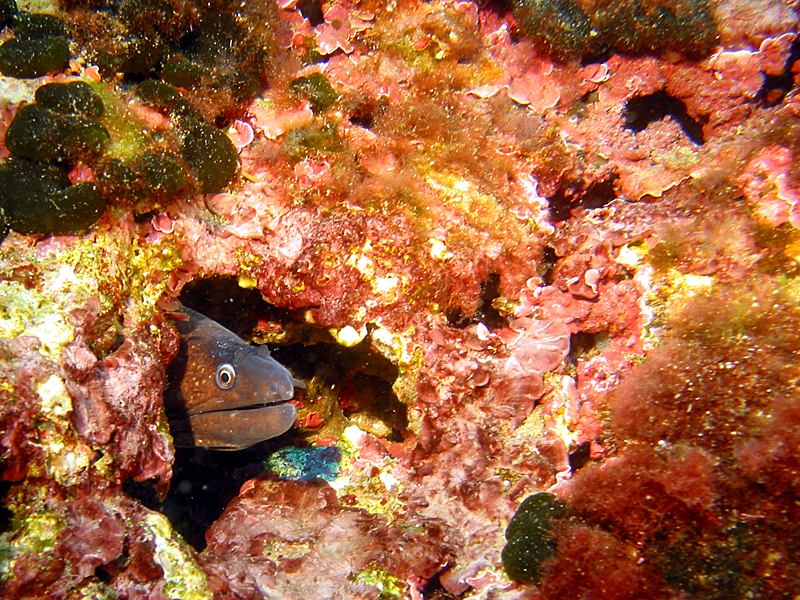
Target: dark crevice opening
{"x":571,"y":195}
{"x":490,"y":292}
{"x":312,"y":11}
{"x":496,"y":5}
{"x":232,"y":306}
{"x":584,"y":345}
{"x":549,"y":259}
{"x":203,"y":483}
{"x":5,"y":514}
{"x":580,"y":456}
{"x":352,"y":383}
{"x":434,"y":590}
{"x":643,"y":110}
{"x":356,"y":381}
{"x":599,"y":55}
{"x":776,"y":87}
{"x":362,"y":116}
{"x":486,"y":312}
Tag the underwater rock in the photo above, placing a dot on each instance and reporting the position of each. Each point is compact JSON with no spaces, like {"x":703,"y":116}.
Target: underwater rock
{"x":361,"y":553}
{"x":557,"y":297}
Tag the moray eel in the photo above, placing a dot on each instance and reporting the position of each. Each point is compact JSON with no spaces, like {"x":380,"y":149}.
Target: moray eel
{"x":222,"y":392}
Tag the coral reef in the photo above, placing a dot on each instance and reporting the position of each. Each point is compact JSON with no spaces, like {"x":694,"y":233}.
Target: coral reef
{"x":548,"y":272}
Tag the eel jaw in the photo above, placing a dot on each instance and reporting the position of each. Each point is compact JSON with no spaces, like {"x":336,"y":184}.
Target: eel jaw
{"x":235,"y":429}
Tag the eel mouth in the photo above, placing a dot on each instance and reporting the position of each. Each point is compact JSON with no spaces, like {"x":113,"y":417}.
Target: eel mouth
{"x":254,"y":406}
{"x":235,"y":429}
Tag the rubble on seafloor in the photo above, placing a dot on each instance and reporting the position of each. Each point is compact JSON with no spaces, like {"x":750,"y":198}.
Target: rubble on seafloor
{"x":505,"y":259}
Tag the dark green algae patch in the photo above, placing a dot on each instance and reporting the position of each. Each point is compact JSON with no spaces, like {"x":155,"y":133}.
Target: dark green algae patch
{"x":208,"y":151}
{"x":61,"y":129}
{"x":38,"y":198}
{"x":565,"y":30}
{"x":40,"y":45}
{"x":41,"y":134}
{"x":220,"y":56}
{"x":45,"y":138}
{"x":529,"y":536}
{"x":317,"y":90}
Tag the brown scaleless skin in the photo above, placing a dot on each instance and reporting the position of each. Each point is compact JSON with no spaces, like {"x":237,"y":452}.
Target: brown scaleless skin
{"x":575,"y":295}
{"x":223,"y":393}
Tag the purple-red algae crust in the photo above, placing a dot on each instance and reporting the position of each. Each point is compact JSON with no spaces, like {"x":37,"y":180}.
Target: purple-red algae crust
{"x":575,"y":298}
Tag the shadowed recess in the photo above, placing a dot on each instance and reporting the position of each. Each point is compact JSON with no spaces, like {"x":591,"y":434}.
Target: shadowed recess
{"x":643,"y":110}
{"x":486,"y":312}
{"x":572,"y":195}
{"x":776,"y":87}
{"x":5,"y":514}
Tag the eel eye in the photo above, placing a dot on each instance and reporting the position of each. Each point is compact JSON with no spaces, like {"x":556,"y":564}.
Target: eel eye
{"x":225,"y":376}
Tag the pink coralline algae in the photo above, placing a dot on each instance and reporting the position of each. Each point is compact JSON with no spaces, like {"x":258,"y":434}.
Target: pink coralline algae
{"x":501,"y":265}
{"x":767,"y":185}
{"x":277,"y":531}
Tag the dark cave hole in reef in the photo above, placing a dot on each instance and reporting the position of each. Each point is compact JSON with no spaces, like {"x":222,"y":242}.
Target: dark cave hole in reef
{"x":570,"y":196}
{"x":776,"y":87}
{"x":549,"y":259}
{"x":486,"y":312}
{"x":585,"y":345}
{"x":5,"y":514}
{"x":232,"y":306}
{"x":203,"y":483}
{"x":580,"y":456}
{"x":312,"y":11}
{"x":500,"y":6}
{"x":362,"y":115}
{"x":433,"y":590}
{"x":600,"y":55}
{"x":356,"y":382}
{"x":643,"y":110}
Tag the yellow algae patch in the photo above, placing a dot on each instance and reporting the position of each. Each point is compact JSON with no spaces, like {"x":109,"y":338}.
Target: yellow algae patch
{"x":184,"y":578}
{"x":348,"y":336}
{"x":54,"y":397}
{"x":37,"y":534}
{"x":29,"y":312}
{"x":439,"y":250}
